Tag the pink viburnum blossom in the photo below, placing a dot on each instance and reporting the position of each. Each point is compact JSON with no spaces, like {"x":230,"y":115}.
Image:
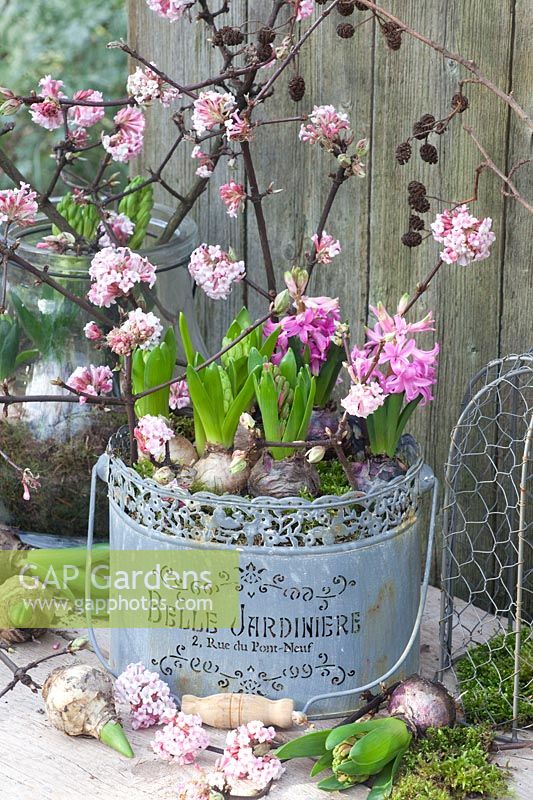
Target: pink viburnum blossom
{"x":205,"y":170}
{"x":179,"y":395}
{"x":465,"y":238}
{"x":181,"y":739}
{"x":48,"y":113}
{"x":140,"y":329}
{"x":199,"y":788}
{"x":363,"y":399}
{"x":145,"y":86}
{"x":121,"y":227}
{"x":93,"y":332}
{"x":211,"y":109}
{"x":86,"y":116}
{"x":246,"y":755}
{"x":147,"y":695}
{"x":326,"y":248}
{"x":114,"y":271}
{"x":401,"y":365}
{"x":29,"y":481}
{"x":18,"y":205}
{"x":326,"y":126}
{"x":239,"y":129}
{"x":314,"y":324}
{"x":234,"y":196}
{"x":303,"y":8}
{"x":215,"y":271}
{"x":170,"y":9}
{"x":127,"y":141}
{"x":91,"y":380}
{"x":152,"y":433}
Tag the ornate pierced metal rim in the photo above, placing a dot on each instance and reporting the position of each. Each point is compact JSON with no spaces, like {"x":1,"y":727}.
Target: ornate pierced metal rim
{"x":325,"y":502}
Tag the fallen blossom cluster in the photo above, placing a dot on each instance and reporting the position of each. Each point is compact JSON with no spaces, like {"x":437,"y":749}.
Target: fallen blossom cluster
{"x":152,"y":434}
{"x":465,"y":238}
{"x":18,"y":205}
{"x":127,"y":140}
{"x":246,"y":755}
{"x":91,"y":380}
{"x":181,"y":739}
{"x":146,"y":694}
{"x":314,"y":324}
{"x":145,"y":86}
{"x":114,"y":271}
{"x":140,"y":329}
{"x":215,"y":271}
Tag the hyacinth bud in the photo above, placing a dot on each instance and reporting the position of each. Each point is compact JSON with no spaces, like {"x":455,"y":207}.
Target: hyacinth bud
{"x":315,"y":454}
{"x":282,"y":302}
{"x":296,"y":281}
{"x":238,"y":462}
{"x":247,"y":421}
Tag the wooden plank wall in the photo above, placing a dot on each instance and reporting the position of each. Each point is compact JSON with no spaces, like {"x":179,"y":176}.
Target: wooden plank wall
{"x":481,"y":311}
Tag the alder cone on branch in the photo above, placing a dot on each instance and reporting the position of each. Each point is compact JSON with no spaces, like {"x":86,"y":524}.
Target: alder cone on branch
{"x":392,"y":34}
{"x":264,"y":52}
{"x":346,"y":7}
{"x":231,"y":36}
{"x":428,"y":152}
{"x":416,"y":189}
{"x":420,"y":204}
{"x":403,"y":153}
{"x":296,"y":88}
{"x":345,"y":30}
{"x":360,"y":6}
{"x":411,"y":239}
{"x":416,"y":223}
{"x":460,"y":101}
{"x":266,"y":35}
{"x":423,"y":126}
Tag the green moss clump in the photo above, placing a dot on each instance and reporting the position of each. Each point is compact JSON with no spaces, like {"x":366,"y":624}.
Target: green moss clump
{"x":183,"y":426}
{"x":451,"y":764}
{"x":333,"y":480}
{"x":486,"y":676}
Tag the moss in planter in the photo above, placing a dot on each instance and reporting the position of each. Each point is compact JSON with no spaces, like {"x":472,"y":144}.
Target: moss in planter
{"x":451,"y":764}
{"x":333,"y":480}
{"x":61,"y":505}
{"x":485,"y":677}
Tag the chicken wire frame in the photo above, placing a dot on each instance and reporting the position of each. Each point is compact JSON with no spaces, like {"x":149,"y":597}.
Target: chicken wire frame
{"x":488,"y":496}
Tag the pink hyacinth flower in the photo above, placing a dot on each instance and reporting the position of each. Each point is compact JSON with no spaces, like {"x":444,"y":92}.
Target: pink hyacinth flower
{"x":91,"y":380}
{"x":234,"y":197}
{"x":18,"y":205}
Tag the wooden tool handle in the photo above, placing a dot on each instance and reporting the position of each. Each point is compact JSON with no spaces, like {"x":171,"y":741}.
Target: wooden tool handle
{"x":232,"y":710}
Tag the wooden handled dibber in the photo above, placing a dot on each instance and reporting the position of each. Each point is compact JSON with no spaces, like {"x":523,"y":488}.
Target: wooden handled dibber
{"x":232,"y":710}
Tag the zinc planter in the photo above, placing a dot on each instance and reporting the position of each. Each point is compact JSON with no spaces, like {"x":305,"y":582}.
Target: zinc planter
{"x":62,"y":440}
{"x":329,"y":590}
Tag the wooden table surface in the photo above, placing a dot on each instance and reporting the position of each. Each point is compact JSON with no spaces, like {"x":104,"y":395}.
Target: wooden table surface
{"x":39,"y":763}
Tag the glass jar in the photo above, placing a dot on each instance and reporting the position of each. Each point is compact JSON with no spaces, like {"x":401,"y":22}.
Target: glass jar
{"x":61,"y":441}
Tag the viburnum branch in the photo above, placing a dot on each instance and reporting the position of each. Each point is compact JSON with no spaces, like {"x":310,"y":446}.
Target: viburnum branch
{"x":422,"y":287}
{"x":468,"y":64}
{"x":20,"y":674}
{"x":121,"y":45}
{"x":338,"y":180}
{"x":97,"y":400}
{"x":130,"y":405}
{"x":48,"y":208}
{"x":489,"y":163}
{"x":257,"y":201}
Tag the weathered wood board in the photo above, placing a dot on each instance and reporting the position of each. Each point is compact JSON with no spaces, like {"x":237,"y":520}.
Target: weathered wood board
{"x":482,"y":311}
{"x":37,"y":761}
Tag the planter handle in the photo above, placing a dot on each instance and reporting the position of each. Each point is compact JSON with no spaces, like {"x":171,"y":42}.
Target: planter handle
{"x":427,"y":481}
{"x":100,"y":470}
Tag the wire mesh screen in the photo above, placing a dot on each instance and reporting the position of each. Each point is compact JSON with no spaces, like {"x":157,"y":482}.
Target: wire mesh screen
{"x":486,"y":632}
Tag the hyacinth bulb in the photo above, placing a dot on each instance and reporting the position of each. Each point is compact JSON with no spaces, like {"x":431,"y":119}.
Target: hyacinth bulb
{"x":79,"y":701}
{"x":213,"y":473}
{"x":286,"y":478}
{"x":423,"y":704}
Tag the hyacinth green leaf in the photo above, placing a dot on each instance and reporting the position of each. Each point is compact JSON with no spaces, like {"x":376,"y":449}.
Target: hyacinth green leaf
{"x":186,"y":341}
{"x":295,"y":416}
{"x":306,"y":418}
{"x":231,"y":371}
{"x":311,"y":744}
{"x":9,"y":346}
{"x":329,"y":372}
{"x":333,"y":785}
{"x":37,"y":332}
{"x":343,"y":732}
{"x":170,"y":340}
{"x":203,"y":407}
{"x":269,"y":345}
{"x":373,"y":751}
{"x":25,"y":356}
{"x":288,"y":367}
{"x":210,"y":377}
{"x":393,"y":405}
{"x":324,"y":762}
{"x":227,"y":390}
{"x":156,"y":371}
{"x":239,"y":405}
{"x":405,"y":416}
{"x":255,"y":359}
{"x":382,"y":786}
{"x":267,"y":398}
